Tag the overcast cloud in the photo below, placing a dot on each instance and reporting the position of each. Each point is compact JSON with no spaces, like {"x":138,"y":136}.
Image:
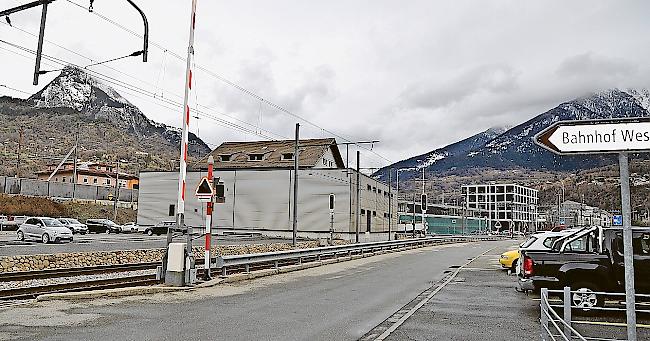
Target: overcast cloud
{"x":416,"y":75}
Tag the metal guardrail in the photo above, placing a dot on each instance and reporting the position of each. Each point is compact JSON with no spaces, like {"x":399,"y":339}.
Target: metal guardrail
{"x":554,"y":327}
{"x":224,"y":262}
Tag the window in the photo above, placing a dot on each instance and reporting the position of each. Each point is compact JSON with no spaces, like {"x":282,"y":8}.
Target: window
{"x":369,"y":188}
{"x":172,"y":210}
{"x":224,"y":157}
{"x":95,"y":180}
{"x":374,"y":189}
{"x":85,"y":180}
{"x":530,"y":242}
{"x":363,"y":211}
{"x":287,"y":156}
{"x":255,"y":157}
{"x":379,"y":191}
{"x":548,"y":242}
{"x":374,"y":213}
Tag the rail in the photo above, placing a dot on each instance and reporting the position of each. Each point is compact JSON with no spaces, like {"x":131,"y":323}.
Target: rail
{"x":556,"y":327}
{"x":274,"y":258}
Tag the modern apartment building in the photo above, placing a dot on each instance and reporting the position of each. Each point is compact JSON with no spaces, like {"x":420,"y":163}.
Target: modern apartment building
{"x":505,"y":206}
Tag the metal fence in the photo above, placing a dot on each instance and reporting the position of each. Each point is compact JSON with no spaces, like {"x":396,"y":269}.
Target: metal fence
{"x":275,"y":258}
{"x":556,"y":327}
{"x":50,"y":189}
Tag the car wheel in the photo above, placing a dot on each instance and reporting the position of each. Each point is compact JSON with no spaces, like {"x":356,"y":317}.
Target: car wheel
{"x":513,"y":268}
{"x":584,"y":296}
{"x":21,"y":236}
{"x":149,"y":232}
{"x":45,"y":238}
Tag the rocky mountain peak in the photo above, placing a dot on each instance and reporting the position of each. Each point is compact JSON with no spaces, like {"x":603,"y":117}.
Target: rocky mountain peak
{"x":78,"y":89}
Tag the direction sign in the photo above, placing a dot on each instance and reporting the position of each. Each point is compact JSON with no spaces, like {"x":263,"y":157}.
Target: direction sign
{"x":596,"y":136}
{"x":204,"y":190}
{"x":617,"y":220}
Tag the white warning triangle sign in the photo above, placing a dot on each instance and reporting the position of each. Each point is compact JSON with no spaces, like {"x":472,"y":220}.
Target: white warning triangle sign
{"x":204,"y":190}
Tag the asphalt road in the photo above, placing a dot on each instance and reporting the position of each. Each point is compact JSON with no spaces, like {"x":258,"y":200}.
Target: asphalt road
{"x":10,"y":246}
{"x":341,"y":301}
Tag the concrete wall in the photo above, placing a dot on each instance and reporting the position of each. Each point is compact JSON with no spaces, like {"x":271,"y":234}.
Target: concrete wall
{"x":261,"y":200}
{"x":41,"y":188}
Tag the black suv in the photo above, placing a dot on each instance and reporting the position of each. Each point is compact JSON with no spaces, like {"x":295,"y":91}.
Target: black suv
{"x":102,"y":226}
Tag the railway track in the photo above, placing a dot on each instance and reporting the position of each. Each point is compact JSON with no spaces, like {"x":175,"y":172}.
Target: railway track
{"x":111,"y":283}
{"x":68,"y":272}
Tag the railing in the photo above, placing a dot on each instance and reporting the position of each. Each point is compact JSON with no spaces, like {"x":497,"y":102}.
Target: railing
{"x":275,"y":258}
{"x":554,"y":327}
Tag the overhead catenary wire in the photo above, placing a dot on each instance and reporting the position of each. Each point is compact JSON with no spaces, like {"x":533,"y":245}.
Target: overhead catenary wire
{"x":267,"y":134}
{"x":231,"y":83}
{"x":130,"y":87}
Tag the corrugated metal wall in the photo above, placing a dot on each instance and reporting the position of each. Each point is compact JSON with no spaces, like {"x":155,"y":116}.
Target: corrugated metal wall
{"x":261,"y":200}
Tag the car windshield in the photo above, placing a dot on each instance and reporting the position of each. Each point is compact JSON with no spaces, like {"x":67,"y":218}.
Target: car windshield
{"x":52,"y":222}
{"x":73,"y":221}
{"x":529,"y":242}
{"x":109,"y":222}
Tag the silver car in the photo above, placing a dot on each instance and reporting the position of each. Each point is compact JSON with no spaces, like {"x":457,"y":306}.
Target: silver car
{"x":74,"y":225}
{"x":44,"y":229}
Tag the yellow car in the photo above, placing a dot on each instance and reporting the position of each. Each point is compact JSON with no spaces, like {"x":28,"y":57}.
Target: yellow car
{"x":509,"y":259}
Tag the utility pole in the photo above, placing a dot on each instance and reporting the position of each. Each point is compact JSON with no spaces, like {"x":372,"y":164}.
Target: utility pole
{"x":20,"y":142}
{"x":39,"y":49}
{"x":117,"y":190}
{"x":423,"y":207}
{"x":74,"y":169}
{"x":358,"y":210}
{"x":390,"y":201}
{"x":413,"y":232}
{"x":295,"y":185}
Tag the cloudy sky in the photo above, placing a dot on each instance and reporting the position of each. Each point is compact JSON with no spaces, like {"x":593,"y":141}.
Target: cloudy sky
{"x":415,"y":75}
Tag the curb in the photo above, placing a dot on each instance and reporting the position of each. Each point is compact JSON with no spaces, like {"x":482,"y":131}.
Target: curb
{"x":118,"y":292}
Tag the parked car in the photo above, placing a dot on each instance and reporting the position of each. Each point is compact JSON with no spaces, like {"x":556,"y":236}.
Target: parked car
{"x":130,"y":227}
{"x":11,"y":223}
{"x":74,"y":225}
{"x":160,"y":228}
{"x":539,"y":241}
{"x":509,"y":259}
{"x":589,"y":261}
{"x":103,"y":226}
{"x":44,"y":229}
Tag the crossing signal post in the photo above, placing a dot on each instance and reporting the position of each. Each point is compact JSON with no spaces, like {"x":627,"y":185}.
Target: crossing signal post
{"x":331,"y":202}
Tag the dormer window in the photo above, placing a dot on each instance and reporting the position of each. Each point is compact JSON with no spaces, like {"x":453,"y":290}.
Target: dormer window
{"x":255,"y":157}
{"x":224,"y":157}
{"x":287,"y":156}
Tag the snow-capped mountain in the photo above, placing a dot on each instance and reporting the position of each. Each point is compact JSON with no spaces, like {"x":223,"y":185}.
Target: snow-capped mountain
{"x":74,"y":88}
{"x":515,"y":149}
{"x":439,"y":158}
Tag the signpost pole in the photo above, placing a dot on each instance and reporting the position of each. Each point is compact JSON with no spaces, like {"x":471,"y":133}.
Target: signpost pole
{"x":627,"y":246}
{"x":620,"y":136}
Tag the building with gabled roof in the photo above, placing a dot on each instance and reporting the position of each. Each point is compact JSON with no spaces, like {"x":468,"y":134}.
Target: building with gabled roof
{"x":313,"y":153}
{"x":258,"y":179}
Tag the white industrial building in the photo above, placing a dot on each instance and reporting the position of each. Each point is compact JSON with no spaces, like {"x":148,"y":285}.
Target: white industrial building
{"x":504,"y":205}
{"x":258,"y":179}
